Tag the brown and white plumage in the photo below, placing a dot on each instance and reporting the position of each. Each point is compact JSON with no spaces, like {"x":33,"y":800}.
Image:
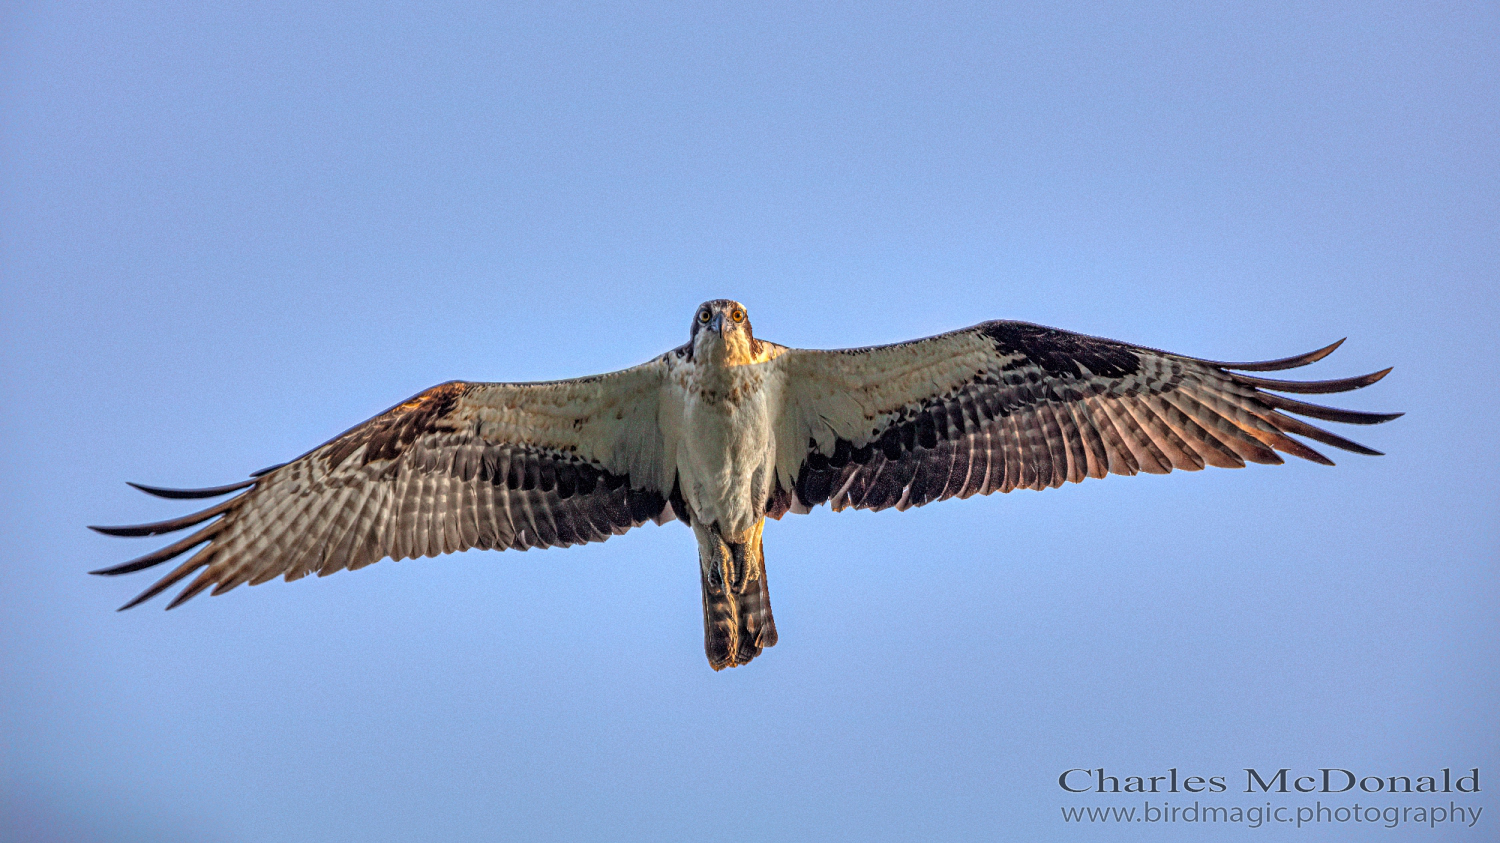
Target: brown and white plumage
{"x":727,"y":430}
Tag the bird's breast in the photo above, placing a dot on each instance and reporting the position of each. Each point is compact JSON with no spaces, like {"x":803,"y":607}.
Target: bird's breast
{"x":727,"y":452}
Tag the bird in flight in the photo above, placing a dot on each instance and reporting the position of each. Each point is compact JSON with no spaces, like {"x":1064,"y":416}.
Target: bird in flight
{"x":728,"y":430}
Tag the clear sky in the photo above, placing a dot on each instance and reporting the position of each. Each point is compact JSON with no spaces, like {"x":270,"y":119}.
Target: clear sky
{"x":228,"y":232}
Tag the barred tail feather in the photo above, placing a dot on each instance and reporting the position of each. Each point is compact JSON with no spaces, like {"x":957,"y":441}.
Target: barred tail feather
{"x":737,"y":620}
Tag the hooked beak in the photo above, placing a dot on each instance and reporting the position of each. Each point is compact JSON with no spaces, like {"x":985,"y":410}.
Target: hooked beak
{"x":717,"y":324}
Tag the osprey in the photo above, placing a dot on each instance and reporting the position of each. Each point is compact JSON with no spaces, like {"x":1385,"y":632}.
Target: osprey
{"x":728,"y":430}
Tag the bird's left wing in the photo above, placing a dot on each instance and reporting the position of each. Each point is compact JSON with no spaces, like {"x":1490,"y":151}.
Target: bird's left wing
{"x":457,"y":466}
{"x":1008,"y":405}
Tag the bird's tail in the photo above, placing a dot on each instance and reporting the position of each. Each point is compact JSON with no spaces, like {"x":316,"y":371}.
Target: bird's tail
{"x":737,"y":621}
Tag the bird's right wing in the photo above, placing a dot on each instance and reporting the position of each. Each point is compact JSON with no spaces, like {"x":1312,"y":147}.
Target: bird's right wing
{"x":1010,"y":405}
{"x":460,"y":465}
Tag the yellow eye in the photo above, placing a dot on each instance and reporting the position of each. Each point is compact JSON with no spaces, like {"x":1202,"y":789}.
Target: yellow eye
{"x":738,"y":316}
{"x":704,"y":316}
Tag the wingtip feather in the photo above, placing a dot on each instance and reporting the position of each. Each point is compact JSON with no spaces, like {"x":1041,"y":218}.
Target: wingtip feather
{"x":169,"y":526}
{"x":188,"y":494}
{"x":196,"y":561}
{"x":1310,"y":387}
{"x":1284,"y":363}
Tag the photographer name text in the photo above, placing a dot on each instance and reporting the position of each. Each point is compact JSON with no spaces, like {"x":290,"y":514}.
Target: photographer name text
{"x":1282,"y":780}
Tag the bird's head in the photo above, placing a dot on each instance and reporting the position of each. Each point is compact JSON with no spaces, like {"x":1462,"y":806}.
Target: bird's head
{"x":721,"y":334}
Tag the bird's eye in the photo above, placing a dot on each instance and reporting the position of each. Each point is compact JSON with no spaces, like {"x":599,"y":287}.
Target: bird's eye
{"x":704,"y":316}
{"x":738,"y":316}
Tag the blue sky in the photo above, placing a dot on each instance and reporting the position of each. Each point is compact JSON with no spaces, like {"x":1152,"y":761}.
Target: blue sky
{"x":228,"y":233}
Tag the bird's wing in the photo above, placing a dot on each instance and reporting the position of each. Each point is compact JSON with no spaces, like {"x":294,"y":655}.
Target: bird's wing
{"x":461,"y":465}
{"x":1009,"y":405}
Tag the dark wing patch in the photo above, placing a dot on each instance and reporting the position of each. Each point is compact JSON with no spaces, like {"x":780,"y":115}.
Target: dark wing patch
{"x":412,"y":482}
{"x":1061,"y":354}
{"x":389,"y":434}
{"x":1059,"y":407}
